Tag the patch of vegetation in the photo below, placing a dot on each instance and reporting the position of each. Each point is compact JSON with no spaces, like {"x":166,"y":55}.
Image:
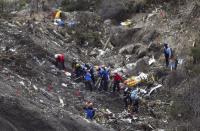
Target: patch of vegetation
{"x":22,"y":3}
{"x":181,"y":110}
{"x":195,"y":52}
{"x":79,"y":5}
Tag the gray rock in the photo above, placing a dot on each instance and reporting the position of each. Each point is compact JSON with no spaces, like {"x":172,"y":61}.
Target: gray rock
{"x":122,"y":36}
{"x":150,"y":36}
{"x":110,"y":9}
{"x":141,"y":65}
{"x":127,"y":49}
{"x":154,"y":46}
{"x":142,"y":51}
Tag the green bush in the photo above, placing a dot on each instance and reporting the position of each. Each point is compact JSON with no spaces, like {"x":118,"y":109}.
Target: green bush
{"x":195,"y":52}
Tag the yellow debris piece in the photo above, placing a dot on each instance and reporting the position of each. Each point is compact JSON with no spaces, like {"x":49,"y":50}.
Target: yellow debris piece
{"x":126,"y":23}
{"x":58,"y":14}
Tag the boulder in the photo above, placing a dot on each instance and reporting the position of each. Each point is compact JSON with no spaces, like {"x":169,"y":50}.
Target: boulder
{"x":111,"y":9}
{"x":150,"y":36}
{"x":141,"y":65}
{"x":79,"y":5}
{"x":119,"y":9}
{"x":154,"y":47}
{"x":123,"y":36}
{"x":142,"y":51}
{"x":138,"y":49}
{"x":128,"y":49}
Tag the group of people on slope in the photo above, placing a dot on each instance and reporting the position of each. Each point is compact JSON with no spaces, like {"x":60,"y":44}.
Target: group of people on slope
{"x":96,"y":76}
{"x":99,"y":77}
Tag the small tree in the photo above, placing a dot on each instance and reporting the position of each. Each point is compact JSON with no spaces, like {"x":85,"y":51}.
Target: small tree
{"x":195,"y":52}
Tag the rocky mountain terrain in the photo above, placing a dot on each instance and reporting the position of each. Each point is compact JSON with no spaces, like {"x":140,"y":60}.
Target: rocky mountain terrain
{"x":36,"y":96}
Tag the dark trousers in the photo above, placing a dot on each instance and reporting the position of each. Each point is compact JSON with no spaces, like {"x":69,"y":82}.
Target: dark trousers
{"x":79,"y":72}
{"x":60,"y":65}
{"x":93,"y":78}
{"x":88,"y":84}
{"x":135,"y":105}
{"x":103,"y":84}
{"x":167,"y":61}
{"x":127,"y":101}
{"x":116,"y":85}
{"x":176,"y":63}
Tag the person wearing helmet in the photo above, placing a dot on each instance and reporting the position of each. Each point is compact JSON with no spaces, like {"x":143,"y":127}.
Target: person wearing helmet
{"x":104,"y":74}
{"x":60,"y":61}
{"x":78,"y":70}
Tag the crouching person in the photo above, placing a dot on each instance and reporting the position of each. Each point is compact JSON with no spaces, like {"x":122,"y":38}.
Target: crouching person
{"x":135,"y":100}
{"x":127,"y":98}
{"x":89,"y":111}
{"x":60,"y":61}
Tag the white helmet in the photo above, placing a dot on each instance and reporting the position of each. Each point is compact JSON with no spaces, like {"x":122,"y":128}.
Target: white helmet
{"x":56,"y":55}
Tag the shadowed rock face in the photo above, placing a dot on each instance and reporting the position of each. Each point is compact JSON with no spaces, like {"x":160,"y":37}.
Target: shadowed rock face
{"x":6,"y":125}
{"x":18,"y":116}
{"x":15,"y":117}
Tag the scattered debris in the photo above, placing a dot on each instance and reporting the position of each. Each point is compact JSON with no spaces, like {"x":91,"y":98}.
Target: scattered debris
{"x":153,"y":89}
{"x":152,"y":60}
{"x":64,"y":85}
{"x":127,"y":23}
{"x":61,"y":101}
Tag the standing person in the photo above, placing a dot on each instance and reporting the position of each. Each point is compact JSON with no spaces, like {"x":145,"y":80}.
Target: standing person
{"x":91,"y":70}
{"x":116,"y":82}
{"x":105,"y":79}
{"x":135,"y":100}
{"x":100,"y":75}
{"x":167,"y":54}
{"x":60,"y":61}
{"x":88,"y":80}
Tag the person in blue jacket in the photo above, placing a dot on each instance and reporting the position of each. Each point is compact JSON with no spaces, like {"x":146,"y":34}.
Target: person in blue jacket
{"x":105,"y":78}
{"x":89,"y":110}
{"x":88,"y":80}
{"x":91,"y":70}
{"x":104,"y":75}
{"x":167,"y":54}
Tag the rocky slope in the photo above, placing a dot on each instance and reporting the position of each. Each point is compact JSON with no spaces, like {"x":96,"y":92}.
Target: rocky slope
{"x":35,"y":95}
